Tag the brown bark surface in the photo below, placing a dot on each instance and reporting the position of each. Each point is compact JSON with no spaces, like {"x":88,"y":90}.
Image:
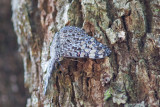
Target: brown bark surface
{"x":130,"y":76}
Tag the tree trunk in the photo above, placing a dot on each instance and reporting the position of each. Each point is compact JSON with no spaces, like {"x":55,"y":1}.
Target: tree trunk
{"x":129,"y":77}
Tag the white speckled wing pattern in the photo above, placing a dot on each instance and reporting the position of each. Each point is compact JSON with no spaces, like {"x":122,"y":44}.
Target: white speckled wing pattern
{"x":73,"y":42}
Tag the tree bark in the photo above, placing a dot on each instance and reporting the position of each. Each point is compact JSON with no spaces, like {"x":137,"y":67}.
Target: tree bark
{"x":130,"y":76}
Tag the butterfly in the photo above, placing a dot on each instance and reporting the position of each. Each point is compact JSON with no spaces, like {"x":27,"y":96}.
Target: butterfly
{"x":73,"y":42}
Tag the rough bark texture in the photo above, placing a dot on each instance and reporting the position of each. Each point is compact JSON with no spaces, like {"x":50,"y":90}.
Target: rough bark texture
{"x":130,"y":76}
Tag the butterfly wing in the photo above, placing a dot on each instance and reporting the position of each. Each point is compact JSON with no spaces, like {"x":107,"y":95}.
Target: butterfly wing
{"x":74,"y":42}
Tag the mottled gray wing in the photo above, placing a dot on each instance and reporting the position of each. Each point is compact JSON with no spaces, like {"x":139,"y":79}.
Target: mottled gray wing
{"x":74,"y":42}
